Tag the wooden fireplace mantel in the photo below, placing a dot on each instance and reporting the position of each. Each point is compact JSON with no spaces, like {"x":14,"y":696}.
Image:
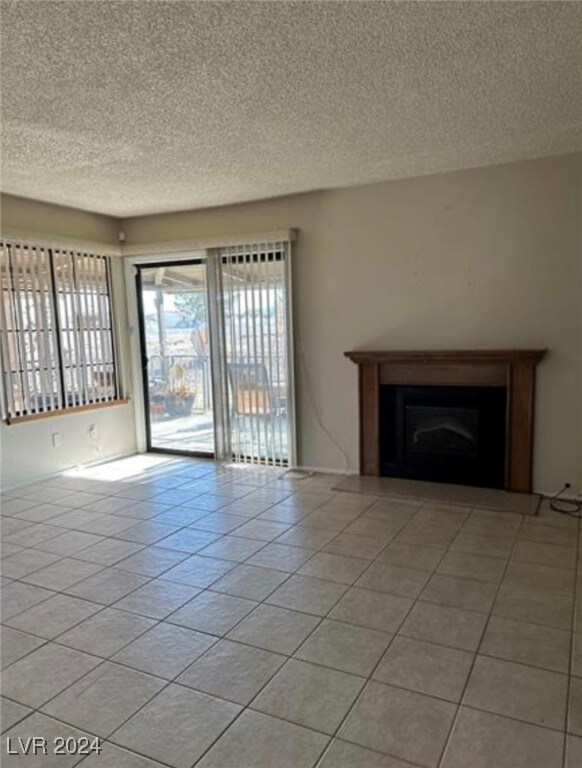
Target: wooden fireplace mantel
{"x":510,"y":368}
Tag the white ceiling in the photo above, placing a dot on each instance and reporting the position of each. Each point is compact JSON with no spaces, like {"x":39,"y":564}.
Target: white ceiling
{"x":131,"y":108}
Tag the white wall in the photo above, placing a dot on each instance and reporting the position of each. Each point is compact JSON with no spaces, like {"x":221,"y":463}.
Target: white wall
{"x":482,"y":258}
{"x":26,"y":448}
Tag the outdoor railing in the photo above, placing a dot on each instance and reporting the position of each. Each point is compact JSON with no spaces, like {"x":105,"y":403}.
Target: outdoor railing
{"x":197,"y":380}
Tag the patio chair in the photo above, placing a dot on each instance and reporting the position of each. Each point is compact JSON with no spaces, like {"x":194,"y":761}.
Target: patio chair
{"x":250,"y":389}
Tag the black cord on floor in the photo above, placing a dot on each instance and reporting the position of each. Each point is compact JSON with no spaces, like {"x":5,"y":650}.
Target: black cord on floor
{"x":566,"y":506}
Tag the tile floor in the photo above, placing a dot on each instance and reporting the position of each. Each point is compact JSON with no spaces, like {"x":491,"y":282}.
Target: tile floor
{"x":188,"y":613}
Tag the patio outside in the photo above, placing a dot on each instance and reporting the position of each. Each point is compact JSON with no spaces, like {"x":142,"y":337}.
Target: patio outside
{"x":179,"y":373}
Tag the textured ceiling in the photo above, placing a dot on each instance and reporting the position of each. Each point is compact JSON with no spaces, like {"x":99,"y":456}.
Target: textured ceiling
{"x":138,"y":107}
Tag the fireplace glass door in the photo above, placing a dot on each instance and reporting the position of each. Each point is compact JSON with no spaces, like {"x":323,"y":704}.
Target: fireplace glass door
{"x":444,"y":434}
{"x":441,"y":431}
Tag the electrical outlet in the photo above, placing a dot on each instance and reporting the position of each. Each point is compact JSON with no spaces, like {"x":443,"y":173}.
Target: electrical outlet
{"x":57,"y":439}
{"x":93,"y":432}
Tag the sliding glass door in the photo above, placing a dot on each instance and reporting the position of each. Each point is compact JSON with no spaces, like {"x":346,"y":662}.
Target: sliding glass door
{"x":216,"y":354}
{"x":175,"y":345}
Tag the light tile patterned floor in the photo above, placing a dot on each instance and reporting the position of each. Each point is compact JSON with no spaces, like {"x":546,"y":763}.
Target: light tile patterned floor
{"x":195,"y":614}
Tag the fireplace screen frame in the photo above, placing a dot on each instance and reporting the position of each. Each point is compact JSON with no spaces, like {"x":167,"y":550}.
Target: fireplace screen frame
{"x":484,"y":467}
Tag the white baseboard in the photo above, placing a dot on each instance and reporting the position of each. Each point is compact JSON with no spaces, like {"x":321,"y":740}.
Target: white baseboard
{"x":51,"y":475}
{"x":565,"y":496}
{"x":327,"y":470}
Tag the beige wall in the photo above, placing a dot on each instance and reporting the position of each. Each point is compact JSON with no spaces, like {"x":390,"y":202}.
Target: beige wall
{"x":20,"y":215}
{"x":28,"y":453}
{"x":26,"y":449}
{"x":482,"y":258}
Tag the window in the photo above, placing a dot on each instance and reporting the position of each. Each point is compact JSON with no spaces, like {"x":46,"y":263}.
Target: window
{"x":58,"y":344}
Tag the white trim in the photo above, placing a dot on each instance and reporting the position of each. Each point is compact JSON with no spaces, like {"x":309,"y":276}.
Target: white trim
{"x":146,"y":249}
{"x":135,"y":362}
{"x":60,"y":243}
{"x":165,"y":256}
{"x":60,"y":472}
{"x":291,"y":357}
{"x":565,"y":496}
{"x":326,"y":470}
{"x":203,"y":243}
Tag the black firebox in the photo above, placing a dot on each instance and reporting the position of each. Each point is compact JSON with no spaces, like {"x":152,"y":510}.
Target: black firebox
{"x":444,"y":434}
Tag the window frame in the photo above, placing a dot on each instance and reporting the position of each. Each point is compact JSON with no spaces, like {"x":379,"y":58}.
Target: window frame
{"x":75,"y":303}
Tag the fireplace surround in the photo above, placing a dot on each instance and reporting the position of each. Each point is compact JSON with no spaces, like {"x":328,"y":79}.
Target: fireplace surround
{"x":508,"y":375}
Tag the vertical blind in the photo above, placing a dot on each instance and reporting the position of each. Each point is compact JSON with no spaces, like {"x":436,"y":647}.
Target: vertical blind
{"x":256,"y":308}
{"x":57,"y":336}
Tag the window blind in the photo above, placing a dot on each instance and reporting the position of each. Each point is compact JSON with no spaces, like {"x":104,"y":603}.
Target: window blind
{"x":257,"y":339}
{"x":57,"y":334}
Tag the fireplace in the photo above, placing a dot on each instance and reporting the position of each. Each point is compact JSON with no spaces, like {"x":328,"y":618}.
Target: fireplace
{"x":443,"y":434}
{"x":462,"y":417}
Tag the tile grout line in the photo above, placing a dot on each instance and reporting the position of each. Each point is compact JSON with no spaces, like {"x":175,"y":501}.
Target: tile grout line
{"x":108,"y":659}
{"x":246,"y":707}
{"x":161,"y":576}
{"x":218,"y":639}
{"x":288,"y":576}
{"x":394,"y":635}
{"x":476,"y":655}
{"x":151,"y":579}
{"x":577,"y":573}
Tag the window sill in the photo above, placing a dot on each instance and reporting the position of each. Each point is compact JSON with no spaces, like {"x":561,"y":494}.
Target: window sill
{"x":66,"y":411}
